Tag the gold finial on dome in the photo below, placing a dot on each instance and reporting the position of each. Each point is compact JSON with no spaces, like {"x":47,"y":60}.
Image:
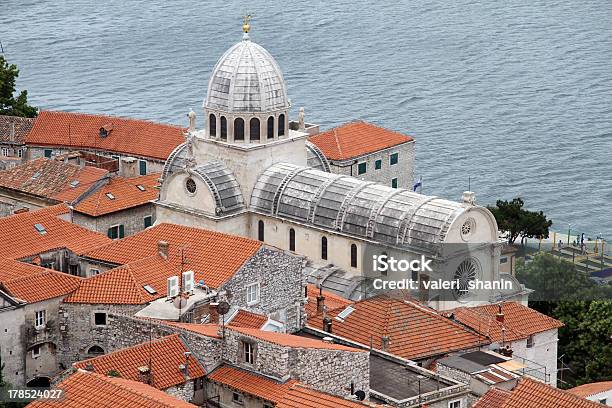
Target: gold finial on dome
{"x":246,"y":26}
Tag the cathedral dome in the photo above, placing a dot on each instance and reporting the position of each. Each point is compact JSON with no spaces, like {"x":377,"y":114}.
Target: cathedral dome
{"x":246,"y":79}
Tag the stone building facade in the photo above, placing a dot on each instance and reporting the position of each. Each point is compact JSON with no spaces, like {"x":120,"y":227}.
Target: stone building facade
{"x":132,"y":219}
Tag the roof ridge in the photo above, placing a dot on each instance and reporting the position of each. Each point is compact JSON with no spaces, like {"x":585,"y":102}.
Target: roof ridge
{"x":102,"y":115}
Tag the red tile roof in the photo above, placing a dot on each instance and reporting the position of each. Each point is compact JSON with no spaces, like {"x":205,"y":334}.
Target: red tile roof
{"x":51,"y":179}
{"x":530,"y":393}
{"x":33,"y":283}
{"x":208,"y":330}
{"x":356,"y":139}
{"x":128,"y":136}
{"x":90,"y":390}
{"x":245,"y":318}
{"x":290,"y":394}
{"x":332,"y":301}
{"x":414,"y":330}
{"x":126,"y":193}
{"x":494,"y":398}
{"x":290,"y":340}
{"x":22,"y":127}
{"x":519,"y":321}
{"x":586,"y":390}
{"x":20,"y":239}
{"x":163,"y":357}
{"x":213,"y":256}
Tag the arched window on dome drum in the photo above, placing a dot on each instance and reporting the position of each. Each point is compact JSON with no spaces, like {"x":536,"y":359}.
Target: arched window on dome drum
{"x":212,"y":125}
{"x":353,"y":255}
{"x":254,"y":129}
{"x":271,"y":127}
{"x":324,"y":248}
{"x":223,"y":128}
{"x":260,"y":230}
{"x":238,"y":129}
{"x":281,"y":124}
{"x":292,"y":239}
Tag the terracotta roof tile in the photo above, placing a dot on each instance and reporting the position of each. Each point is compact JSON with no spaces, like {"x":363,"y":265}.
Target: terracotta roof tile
{"x":494,"y":398}
{"x":90,"y":390}
{"x":129,"y":136}
{"x":164,"y":355}
{"x":586,"y":390}
{"x":126,"y":193}
{"x":414,"y":330}
{"x":51,"y":179}
{"x":208,"y":330}
{"x":19,"y":238}
{"x":290,"y":394}
{"x":332,"y":301}
{"x":22,"y":127}
{"x":519,"y":321}
{"x":245,"y":318}
{"x":290,"y":340}
{"x":33,"y":283}
{"x":356,"y":139}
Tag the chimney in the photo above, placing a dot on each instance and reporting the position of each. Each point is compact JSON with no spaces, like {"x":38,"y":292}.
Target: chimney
{"x":506,"y":351}
{"x":12,"y":132}
{"x":144,"y":374}
{"x":469,"y":197}
{"x":327,"y":324}
{"x":162,"y":249}
{"x":320,"y":303}
{"x":89,"y":367}
{"x":500,"y":315}
{"x":385,"y":343}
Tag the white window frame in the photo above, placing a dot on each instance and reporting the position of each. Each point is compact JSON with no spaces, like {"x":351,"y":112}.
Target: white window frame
{"x":5,"y":152}
{"x":451,"y":404}
{"x":94,"y":271}
{"x":239,"y":400}
{"x":36,"y":355}
{"x":40,"y":319}
{"x":19,"y":153}
{"x":249,"y":299}
{"x":248,"y":350}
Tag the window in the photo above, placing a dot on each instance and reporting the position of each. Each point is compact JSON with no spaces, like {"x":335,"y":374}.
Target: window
{"x":95,"y":351}
{"x":252,"y":292}
{"x":19,"y":153}
{"x":260,"y":230}
{"x":271,"y":127}
{"x":281,"y":124}
{"x":223,"y":128}
{"x":414,"y":276}
{"x":142,"y":166}
{"x":362,"y":168}
{"x":238,"y":129}
{"x":237,"y":398}
{"x":254,"y":129}
{"x":100,"y":319}
{"x":394,"y":182}
{"x":148,"y":221}
{"x":48,"y":153}
{"x":212,"y":125}
{"x":40,"y":318}
{"x":94,"y":272}
{"x":393,"y":159}
{"x":116,"y":231}
{"x":503,"y":260}
{"x":268,"y":405}
{"x":190,"y":185}
{"x":378,"y":164}
{"x":36,"y":352}
{"x":324,"y":248}
{"x":353,"y":255}
{"x":4,"y":151}
{"x":530,"y":341}
{"x":291,"y":239}
{"x":249,"y":352}
{"x":454,"y":404}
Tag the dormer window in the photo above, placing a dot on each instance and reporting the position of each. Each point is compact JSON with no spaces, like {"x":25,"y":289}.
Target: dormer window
{"x":106,"y":129}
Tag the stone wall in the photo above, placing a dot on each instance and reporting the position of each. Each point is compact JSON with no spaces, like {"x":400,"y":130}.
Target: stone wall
{"x":132,"y":219}
{"x":12,"y":322}
{"x":183,"y":391}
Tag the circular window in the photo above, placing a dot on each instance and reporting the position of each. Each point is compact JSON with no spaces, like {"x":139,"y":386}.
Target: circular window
{"x":468,"y":228}
{"x":190,"y":185}
{"x":466,"y":272}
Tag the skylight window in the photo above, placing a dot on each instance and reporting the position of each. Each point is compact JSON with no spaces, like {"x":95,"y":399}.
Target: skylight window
{"x":141,"y":187}
{"x":345,"y":313}
{"x":36,"y":175}
{"x":40,"y":228}
{"x":74,"y":183}
{"x":149,"y":289}
{"x":110,"y":196}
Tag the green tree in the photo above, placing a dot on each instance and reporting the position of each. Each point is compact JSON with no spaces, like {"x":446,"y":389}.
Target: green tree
{"x":512,"y":217}
{"x":9,"y":104}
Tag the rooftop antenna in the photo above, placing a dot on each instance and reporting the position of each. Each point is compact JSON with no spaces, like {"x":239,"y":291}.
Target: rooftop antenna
{"x":469,"y":183}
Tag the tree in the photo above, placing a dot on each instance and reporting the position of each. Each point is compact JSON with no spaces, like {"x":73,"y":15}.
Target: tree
{"x":9,"y":105}
{"x":511,"y":217}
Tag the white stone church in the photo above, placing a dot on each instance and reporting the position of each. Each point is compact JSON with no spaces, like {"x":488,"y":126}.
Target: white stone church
{"x":247,"y":173}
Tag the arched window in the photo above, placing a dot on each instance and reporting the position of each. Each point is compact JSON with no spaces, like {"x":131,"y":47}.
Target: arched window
{"x":353,"y":255}
{"x":238,"y":129}
{"x":324,"y":248}
{"x":223,"y":128}
{"x":95,"y":351}
{"x":292,"y":239}
{"x":281,"y":124}
{"x":271,"y":127}
{"x":260,"y":230}
{"x":254,"y":129}
{"x":212,"y":125}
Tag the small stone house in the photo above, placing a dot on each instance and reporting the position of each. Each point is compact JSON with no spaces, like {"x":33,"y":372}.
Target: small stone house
{"x":13,"y":130}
